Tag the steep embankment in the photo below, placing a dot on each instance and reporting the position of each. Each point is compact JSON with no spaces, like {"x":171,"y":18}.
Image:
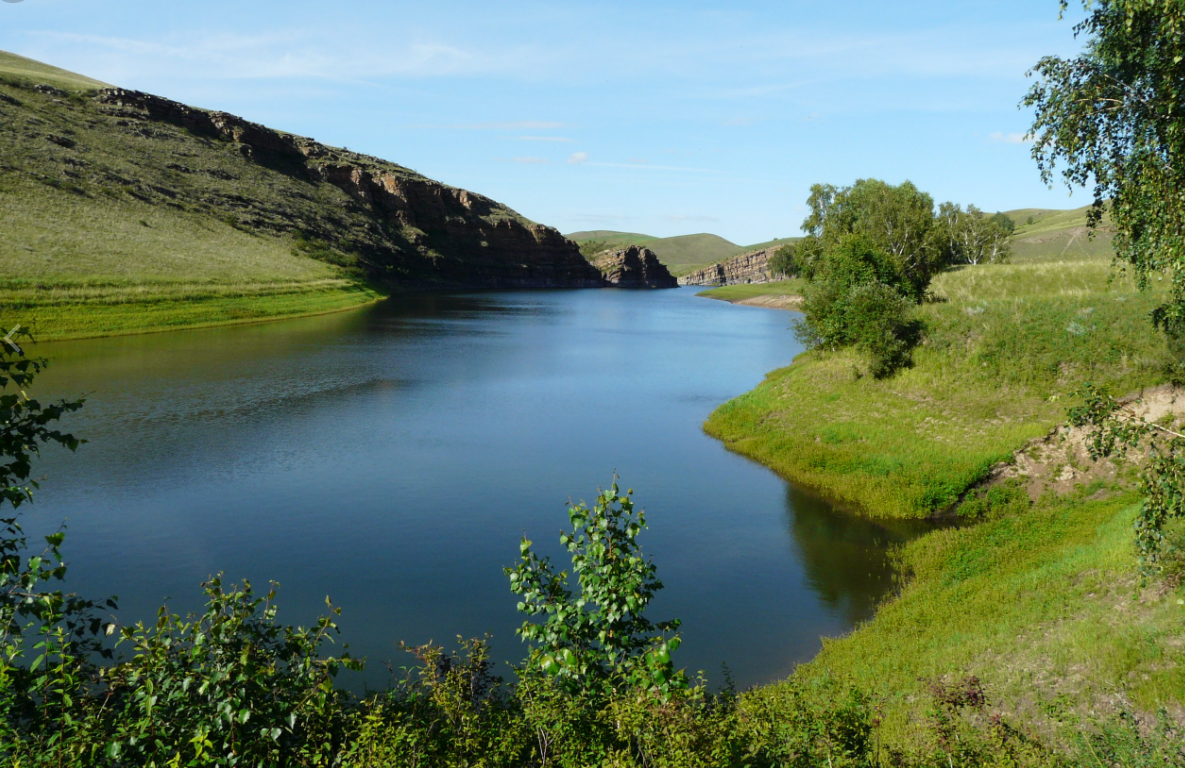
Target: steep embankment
{"x":123,"y":211}
{"x":633,"y":267}
{"x":749,"y":267}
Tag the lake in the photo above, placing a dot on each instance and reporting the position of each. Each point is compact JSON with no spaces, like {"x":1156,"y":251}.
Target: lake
{"x":391,"y":457}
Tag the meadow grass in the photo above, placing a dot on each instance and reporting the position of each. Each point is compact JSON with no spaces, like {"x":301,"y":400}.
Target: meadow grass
{"x":109,"y":232}
{"x":743,"y":291}
{"x":1005,"y":349}
{"x":138,"y":310}
{"x":1040,"y":605}
{"x":38,"y":72}
{"x":681,"y":254}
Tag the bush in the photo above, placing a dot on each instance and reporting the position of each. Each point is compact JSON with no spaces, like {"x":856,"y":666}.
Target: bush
{"x":858,"y":298}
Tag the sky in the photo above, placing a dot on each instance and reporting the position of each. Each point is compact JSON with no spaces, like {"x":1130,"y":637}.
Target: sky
{"x":663,"y":118}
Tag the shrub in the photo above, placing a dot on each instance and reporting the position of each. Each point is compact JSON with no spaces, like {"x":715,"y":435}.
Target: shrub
{"x":858,"y":298}
{"x":601,"y":636}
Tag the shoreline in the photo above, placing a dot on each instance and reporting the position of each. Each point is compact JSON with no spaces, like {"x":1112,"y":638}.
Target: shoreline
{"x":765,"y":300}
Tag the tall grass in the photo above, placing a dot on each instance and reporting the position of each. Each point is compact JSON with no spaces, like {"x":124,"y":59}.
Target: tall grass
{"x":1006,"y":347}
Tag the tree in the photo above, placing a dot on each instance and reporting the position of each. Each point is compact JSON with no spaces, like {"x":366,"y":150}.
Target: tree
{"x":782,"y":263}
{"x":1115,"y":117}
{"x":896,"y":219}
{"x":972,"y":237}
{"x":858,"y":297}
{"x":600,"y":636}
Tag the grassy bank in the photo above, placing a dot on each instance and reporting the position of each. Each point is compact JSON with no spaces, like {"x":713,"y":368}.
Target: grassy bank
{"x":159,"y":268}
{"x":745,"y":291}
{"x":1005,"y":348}
{"x":1039,"y":605}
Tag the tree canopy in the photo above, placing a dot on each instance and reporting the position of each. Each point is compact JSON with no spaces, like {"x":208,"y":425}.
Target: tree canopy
{"x":1113,"y":118}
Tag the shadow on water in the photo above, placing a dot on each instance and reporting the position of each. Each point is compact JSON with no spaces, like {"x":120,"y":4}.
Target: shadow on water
{"x":846,"y":557}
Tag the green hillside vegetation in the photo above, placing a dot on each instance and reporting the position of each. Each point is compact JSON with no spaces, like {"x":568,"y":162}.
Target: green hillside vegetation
{"x":610,"y":238}
{"x":742,"y":291}
{"x":1005,"y":346}
{"x":1053,"y":234}
{"x":37,"y":72}
{"x":120,"y":217}
{"x":681,"y":254}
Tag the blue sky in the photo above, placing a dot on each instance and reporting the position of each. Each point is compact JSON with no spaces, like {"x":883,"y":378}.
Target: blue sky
{"x":659,"y":117}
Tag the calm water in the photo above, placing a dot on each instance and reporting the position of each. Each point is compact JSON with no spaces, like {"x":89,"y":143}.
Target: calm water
{"x":390,"y":458}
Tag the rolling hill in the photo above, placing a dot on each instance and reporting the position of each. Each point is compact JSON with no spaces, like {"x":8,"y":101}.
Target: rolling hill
{"x":1043,"y":233}
{"x":125,"y":212}
{"x":681,"y":254}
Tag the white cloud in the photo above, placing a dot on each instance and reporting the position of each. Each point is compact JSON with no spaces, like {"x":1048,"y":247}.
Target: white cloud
{"x":576,"y":158}
{"x":1010,"y":138}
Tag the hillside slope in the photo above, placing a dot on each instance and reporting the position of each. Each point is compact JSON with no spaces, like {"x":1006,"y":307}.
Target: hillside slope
{"x":124,"y":211}
{"x":681,"y":255}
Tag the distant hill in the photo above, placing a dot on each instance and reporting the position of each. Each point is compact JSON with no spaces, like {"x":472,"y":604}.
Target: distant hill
{"x":122,"y":211}
{"x":611,"y":237}
{"x":1047,"y":234}
{"x":682,"y":254}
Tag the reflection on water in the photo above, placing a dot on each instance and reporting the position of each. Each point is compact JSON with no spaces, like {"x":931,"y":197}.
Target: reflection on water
{"x":391,"y":457}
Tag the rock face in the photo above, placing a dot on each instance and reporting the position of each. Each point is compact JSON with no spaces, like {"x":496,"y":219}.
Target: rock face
{"x":752,"y":267}
{"x":401,"y":227}
{"x":634,"y":267}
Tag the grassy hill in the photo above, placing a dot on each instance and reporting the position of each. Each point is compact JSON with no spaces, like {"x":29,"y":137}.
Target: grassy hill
{"x":1037,"y":599}
{"x":123,"y":212}
{"x":681,"y":254}
{"x":38,"y":72}
{"x":1042,"y":233}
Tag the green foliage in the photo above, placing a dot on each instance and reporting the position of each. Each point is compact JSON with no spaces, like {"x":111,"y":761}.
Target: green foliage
{"x":1113,"y":116}
{"x":782,"y":263}
{"x":858,"y":297}
{"x":47,"y":636}
{"x":1118,"y":428}
{"x":599,"y":635}
{"x":972,"y":237}
{"x":897,"y":220}
{"x":230,"y":684}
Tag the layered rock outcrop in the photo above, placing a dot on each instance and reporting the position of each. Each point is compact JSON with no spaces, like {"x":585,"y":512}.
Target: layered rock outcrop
{"x":752,"y":267}
{"x":633,"y":267}
{"x":399,"y":226}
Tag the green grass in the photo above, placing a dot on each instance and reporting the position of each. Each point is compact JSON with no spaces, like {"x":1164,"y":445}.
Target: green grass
{"x":751,"y":290}
{"x":37,"y":72}
{"x":1004,"y":352}
{"x":1040,"y":605}
{"x":186,"y":306}
{"x":610,"y":237}
{"x":681,"y":255}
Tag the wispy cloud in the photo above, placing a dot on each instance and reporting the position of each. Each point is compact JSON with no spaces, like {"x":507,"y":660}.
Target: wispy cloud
{"x":577,"y":158}
{"x":328,"y":54}
{"x":602,"y":218}
{"x":556,"y":139}
{"x":513,"y":125}
{"x":1009,"y":138}
{"x":530,"y":160}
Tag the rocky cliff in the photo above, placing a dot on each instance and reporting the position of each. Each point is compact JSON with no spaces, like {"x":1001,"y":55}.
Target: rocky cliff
{"x":633,"y":267}
{"x":752,"y":267}
{"x":354,"y":210}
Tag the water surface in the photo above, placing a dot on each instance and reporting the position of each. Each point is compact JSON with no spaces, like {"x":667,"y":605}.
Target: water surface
{"x":391,"y":458}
